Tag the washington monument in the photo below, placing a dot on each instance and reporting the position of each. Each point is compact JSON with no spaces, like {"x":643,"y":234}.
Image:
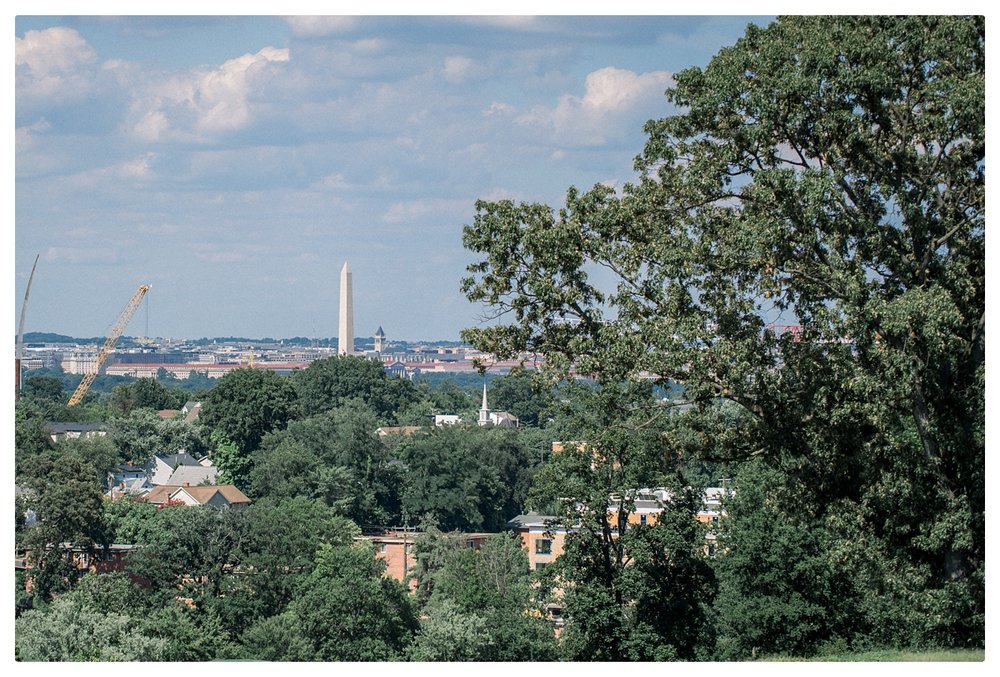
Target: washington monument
{"x":345,"y":337}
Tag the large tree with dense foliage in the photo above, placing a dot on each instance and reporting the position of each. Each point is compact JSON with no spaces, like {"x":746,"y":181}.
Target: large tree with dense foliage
{"x":185,"y":551}
{"x":523,"y":395}
{"x":145,"y":393}
{"x":142,"y":434}
{"x":825,"y":172}
{"x":336,"y":457}
{"x":490,"y":586}
{"x":66,"y":496}
{"x":246,"y":404}
{"x":465,"y":477}
{"x":275,"y":554}
{"x":777,"y":590}
{"x":631,"y":591}
{"x":348,"y":610}
{"x":73,"y":630}
{"x":328,"y":383}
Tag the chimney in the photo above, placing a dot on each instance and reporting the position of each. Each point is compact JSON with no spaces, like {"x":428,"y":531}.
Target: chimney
{"x":187,"y":484}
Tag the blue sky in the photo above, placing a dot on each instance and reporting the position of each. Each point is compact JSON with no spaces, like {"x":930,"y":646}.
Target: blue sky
{"x":235,"y":163}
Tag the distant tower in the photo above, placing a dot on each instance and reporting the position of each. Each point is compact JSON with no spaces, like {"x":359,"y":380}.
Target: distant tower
{"x":484,"y":411}
{"x":379,"y":340}
{"x":345,"y":337}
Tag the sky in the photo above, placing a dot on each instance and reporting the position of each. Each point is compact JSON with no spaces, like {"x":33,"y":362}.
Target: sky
{"x":234,"y":163}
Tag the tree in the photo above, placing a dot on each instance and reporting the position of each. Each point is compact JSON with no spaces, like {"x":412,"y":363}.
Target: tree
{"x":462,"y":477}
{"x":277,"y":638}
{"x":141,"y":434}
{"x":67,"y":498}
{"x":335,"y":456}
{"x":235,"y":466}
{"x":70,"y":630}
{"x":190,"y":635}
{"x":496,"y":576}
{"x":246,"y":404}
{"x":775,"y":587}
{"x":186,"y":551}
{"x":430,"y":551}
{"x":108,"y":593}
{"x":326,"y":384}
{"x":146,"y":393}
{"x":275,"y":554}
{"x":522,"y":395}
{"x":129,"y":521}
{"x":630,"y":591}
{"x":286,"y":467}
{"x":449,"y":634}
{"x":349,"y":611}
{"x":489,"y":588}
{"x":450,"y":398}
{"x":44,"y":388}
{"x":826,"y":172}
{"x":30,"y":438}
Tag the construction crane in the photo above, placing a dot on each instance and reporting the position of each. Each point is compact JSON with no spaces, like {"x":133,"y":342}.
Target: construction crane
{"x":109,"y":344}
{"x":19,"y":350}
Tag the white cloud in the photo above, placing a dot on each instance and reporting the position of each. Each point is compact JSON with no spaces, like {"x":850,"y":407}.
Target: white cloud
{"x":81,"y":254}
{"x":458,"y":68}
{"x":498,"y":108}
{"x":214,"y":253}
{"x":204,"y":102}
{"x":611,"y":96}
{"x":138,"y":169}
{"x":318,"y":26}
{"x":332,"y":182}
{"x":367,"y":46}
{"x":25,"y":138}
{"x":511,"y":22}
{"x":52,"y":62}
{"x":161,"y":229}
{"x":415,"y":210}
{"x":496,"y":194}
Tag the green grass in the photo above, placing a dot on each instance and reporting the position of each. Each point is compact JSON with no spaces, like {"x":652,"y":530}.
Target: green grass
{"x":894,"y":655}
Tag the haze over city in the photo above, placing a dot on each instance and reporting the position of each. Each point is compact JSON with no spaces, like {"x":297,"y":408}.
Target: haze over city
{"x":235,"y":163}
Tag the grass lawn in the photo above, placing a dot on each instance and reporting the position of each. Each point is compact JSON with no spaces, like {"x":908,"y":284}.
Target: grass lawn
{"x":894,"y":655}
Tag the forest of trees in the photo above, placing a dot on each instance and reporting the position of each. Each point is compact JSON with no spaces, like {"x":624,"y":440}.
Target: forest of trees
{"x":825,"y":169}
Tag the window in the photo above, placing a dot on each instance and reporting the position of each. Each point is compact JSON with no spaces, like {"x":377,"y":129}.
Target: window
{"x":470,"y":543}
{"x":543,"y":546}
{"x":540,"y":565}
{"x":382,"y":547}
{"x":642,"y":520}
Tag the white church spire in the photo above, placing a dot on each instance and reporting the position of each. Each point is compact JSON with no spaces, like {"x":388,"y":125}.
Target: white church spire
{"x":484,"y":411}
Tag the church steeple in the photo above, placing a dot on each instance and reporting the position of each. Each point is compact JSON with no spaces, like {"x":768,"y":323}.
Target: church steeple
{"x":484,"y":411}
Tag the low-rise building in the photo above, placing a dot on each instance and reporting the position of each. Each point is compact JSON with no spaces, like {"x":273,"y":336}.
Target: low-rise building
{"x":83,"y":559}
{"x":59,"y":430}
{"x":543,"y":538}
{"x":216,"y":495}
{"x":161,"y":467}
{"x":396,"y":548}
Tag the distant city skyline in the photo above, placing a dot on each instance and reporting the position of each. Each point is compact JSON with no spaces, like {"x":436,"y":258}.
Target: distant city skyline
{"x":235,"y":163}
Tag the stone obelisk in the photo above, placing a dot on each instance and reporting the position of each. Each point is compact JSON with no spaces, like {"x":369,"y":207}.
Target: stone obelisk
{"x":345,"y":337}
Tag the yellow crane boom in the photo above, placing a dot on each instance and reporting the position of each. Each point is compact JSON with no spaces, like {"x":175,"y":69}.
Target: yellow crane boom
{"x":109,"y":344}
